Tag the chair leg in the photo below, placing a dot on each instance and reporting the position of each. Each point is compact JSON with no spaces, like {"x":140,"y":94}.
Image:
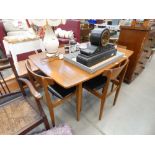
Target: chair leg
{"x":45,"y":120}
{"x":116,"y":95}
{"x":46,"y":124}
{"x":52,"y":117}
{"x":112,"y":87}
{"x":101,"y":108}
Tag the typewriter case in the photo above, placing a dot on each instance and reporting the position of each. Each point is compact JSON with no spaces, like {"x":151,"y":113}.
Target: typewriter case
{"x":98,"y":50}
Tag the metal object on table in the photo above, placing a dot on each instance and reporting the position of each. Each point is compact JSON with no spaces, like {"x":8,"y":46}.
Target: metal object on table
{"x":99,"y":49}
{"x":71,"y":58}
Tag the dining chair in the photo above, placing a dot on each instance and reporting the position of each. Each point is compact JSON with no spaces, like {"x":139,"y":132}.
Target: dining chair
{"x":49,"y":86}
{"x":114,"y":75}
{"x":24,"y":56}
{"x":21,"y":50}
{"x":18,"y":114}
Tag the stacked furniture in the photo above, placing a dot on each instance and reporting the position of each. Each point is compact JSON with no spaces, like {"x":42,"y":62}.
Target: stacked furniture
{"x":71,"y":25}
{"x":10,"y":34}
{"x":21,"y":49}
{"x":139,"y":38}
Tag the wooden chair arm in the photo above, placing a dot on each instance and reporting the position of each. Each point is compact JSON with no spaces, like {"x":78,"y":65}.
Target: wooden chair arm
{"x":36,"y":94}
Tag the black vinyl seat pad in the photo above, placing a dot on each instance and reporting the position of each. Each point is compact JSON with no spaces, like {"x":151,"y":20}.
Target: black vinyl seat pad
{"x":59,"y":91}
{"x":96,"y":83}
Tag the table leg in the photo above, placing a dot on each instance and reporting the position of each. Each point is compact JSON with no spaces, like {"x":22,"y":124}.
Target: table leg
{"x":79,"y":100}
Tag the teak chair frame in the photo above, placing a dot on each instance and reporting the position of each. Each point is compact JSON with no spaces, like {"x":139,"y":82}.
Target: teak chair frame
{"x":45,"y":82}
{"x":116,"y":76}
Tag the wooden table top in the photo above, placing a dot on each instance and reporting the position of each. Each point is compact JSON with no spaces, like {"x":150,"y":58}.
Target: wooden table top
{"x":21,"y":69}
{"x":65,"y":73}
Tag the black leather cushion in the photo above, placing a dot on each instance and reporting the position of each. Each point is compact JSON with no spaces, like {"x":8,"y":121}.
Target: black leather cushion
{"x":37,"y":72}
{"x":59,"y":91}
{"x":40,"y":73}
{"x":95,"y":83}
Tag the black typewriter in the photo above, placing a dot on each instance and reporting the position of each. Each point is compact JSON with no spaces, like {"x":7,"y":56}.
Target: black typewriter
{"x":98,"y":50}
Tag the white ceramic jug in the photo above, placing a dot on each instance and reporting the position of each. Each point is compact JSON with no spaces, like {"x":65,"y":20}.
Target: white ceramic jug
{"x":50,"y":41}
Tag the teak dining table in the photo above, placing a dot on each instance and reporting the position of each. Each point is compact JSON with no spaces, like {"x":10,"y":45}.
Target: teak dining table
{"x":68,"y":75}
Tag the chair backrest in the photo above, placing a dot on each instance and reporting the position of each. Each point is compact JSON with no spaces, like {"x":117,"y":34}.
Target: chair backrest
{"x":32,"y":75}
{"x":42,"y":80}
{"x":21,"y":50}
{"x":24,"y":56}
{"x":5,"y":91}
{"x":120,"y":69}
{"x":112,"y":74}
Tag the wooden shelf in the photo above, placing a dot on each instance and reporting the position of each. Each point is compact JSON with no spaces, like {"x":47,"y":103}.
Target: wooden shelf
{"x":135,"y":28}
{"x":140,"y":40}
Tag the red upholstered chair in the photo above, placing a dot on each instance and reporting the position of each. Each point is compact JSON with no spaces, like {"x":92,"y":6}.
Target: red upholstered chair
{"x":26,"y":55}
{"x":99,"y":21}
{"x":2,"y":34}
{"x":71,"y":25}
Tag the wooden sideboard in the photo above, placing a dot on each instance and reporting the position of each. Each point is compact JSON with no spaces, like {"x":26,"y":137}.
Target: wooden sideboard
{"x":141,"y":40}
